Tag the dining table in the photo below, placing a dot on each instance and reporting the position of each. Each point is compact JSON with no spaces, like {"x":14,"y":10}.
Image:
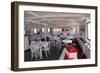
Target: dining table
{"x":66,"y":41}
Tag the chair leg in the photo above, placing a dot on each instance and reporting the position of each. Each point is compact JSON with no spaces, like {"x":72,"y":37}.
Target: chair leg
{"x":46,"y":54}
{"x":36,"y":56}
{"x":48,"y":51}
{"x":32,"y":56}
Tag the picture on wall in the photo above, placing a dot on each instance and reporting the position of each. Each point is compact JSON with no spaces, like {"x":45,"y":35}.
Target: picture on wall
{"x":51,"y":36}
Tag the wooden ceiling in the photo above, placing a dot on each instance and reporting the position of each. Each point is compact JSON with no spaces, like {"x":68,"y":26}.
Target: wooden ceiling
{"x":34,"y":19}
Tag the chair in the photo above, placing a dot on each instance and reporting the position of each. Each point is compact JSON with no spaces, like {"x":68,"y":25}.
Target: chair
{"x":46,"y":48}
{"x":34,"y":50}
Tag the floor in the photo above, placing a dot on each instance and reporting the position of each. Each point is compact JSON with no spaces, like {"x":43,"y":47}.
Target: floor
{"x":55,"y":53}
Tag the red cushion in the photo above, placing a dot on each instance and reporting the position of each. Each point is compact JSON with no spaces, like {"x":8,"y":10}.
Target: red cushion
{"x":66,"y":57}
{"x":71,"y":49}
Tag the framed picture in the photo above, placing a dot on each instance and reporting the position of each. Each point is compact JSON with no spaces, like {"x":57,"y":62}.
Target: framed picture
{"x":52,"y":36}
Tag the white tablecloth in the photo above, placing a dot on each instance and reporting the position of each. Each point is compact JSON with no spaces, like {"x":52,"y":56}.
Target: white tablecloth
{"x":66,"y":41}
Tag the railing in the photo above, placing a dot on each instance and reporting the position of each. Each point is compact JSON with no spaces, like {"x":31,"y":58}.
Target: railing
{"x":85,"y":49}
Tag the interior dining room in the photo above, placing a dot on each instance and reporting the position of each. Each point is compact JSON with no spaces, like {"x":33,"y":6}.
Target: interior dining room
{"x":56,"y":36}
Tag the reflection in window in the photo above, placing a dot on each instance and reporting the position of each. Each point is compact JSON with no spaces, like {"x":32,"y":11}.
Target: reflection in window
{"x":54,"y":29}
{"x":59,"y":29}
{"x":48,"y":29}
{"x":43,"y":29}
{"x":35,"y":30}
{"x":89,"y":31}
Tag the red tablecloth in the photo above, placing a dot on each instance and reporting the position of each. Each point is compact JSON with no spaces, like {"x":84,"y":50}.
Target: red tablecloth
{"x":70,"y":48}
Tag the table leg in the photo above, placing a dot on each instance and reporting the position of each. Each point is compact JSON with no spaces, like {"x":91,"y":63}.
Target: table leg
{"x":40,"y":53}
